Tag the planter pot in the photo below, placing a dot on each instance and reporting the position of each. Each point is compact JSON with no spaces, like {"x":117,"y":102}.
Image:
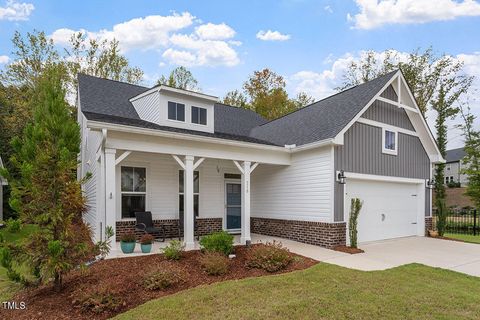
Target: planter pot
{"x":433,"y":233}
{"x":127,"y":247}
{"x":146,"y":248}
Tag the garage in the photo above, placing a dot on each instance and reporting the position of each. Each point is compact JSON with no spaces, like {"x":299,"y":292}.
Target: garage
{"x":390,"y":209}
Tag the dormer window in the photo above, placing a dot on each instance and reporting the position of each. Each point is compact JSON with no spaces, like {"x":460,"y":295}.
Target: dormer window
{"x":176,"y":111}
{"x":199,"y":115}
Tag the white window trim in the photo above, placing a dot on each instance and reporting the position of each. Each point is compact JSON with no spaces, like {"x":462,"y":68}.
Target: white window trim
{"x":206,"y":116}
{"x":389,"y":151}
{"x":176,"y":111}
{"x":133,"y":193}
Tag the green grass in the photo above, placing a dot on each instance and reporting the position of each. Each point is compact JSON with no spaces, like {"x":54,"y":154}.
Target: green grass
{"x":464,"y":237}
{"x":7,"y":287}
{"x":327,"y":292}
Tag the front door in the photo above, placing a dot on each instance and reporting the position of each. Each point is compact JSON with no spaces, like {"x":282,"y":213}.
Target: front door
{"x":233,"y":205}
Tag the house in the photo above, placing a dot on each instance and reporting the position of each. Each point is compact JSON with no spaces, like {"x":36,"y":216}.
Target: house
{"x":453,"y":167}
{"x":3,"y":182}
{"x":168,"y":151}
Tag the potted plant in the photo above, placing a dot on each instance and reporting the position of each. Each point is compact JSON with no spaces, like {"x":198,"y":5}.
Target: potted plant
{"x":127,"y":242}
{"x":146,"y":243}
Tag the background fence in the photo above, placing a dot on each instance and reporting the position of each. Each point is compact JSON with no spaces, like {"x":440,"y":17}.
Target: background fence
{"x":460,"y":221}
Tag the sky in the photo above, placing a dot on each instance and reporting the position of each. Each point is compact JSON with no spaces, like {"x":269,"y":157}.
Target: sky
{"x":308,"y":42}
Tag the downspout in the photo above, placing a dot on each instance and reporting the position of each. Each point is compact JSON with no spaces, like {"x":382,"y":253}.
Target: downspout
{"x":104,"y":191}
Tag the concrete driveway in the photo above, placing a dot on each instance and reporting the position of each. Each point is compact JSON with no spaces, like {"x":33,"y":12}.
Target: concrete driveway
{"x":381,"y":255}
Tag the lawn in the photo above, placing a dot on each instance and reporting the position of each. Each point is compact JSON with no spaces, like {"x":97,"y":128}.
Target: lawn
{"x":327,"y":291}
{"x":7,"y":287}
{"x":464,"y":237}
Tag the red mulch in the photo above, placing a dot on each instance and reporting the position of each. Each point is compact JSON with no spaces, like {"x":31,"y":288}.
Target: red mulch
{"x":123,"y":278}
{"x":447,"y":238}
{"x":348,"y":249}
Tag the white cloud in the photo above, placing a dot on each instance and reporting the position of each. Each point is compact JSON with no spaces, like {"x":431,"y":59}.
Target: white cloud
{"x":208,"y":45}
{"x":270,"y":35}
{"x":4,"y":59}
{"x":375,"y":13}
{"x":321,"y":84}
{"x":328,"y":9}
{"x":16,"y":11}
{"x":212,"y":31}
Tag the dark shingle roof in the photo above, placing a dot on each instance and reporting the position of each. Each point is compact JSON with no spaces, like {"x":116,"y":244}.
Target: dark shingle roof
{"x":455,"y":155}
{"x":323,"y":119}
{"x":108,"y":101}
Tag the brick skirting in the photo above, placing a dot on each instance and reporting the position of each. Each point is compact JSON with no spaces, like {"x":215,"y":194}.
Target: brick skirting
{"x":322,"y":234}
{"x":204,"y":227}
{"x":428,"y":224}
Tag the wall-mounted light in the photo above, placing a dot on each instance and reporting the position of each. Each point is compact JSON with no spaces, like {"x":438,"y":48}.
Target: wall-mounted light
{"x":341,"y":177}
{"x":430,"y":184}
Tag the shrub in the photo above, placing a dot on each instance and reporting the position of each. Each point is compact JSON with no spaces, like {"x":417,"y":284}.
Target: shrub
{"x":128,"y":237}
{"x":173,"y":251}
{"x":271,"y":257}
{"x":163,"y":279}
{"x":6,"y":261}
{"x":214,"y":263}
{"x":442,"y":213}
{"x":14,"y":225}
{"x":103,"y":247}
{"x":147,"y":239}
{"x":99,"y":301}
{"x":220,"y":241}
{"x":355,"y":207}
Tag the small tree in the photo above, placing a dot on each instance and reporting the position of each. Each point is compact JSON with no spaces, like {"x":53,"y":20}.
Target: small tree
{"x":355,"y":207}
{"x":442,"y":213}
{"x":180,"y":78}
{"x":46,"y":191}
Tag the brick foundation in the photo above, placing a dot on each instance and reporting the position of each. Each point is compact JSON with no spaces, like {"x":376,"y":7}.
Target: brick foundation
{"x":204,"y":226}
{"x":428,"y":224}
{"x":322,"y":234}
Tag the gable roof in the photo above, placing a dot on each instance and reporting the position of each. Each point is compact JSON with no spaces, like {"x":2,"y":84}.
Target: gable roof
{"x":455,"y":155}
{"x":323,"y":119}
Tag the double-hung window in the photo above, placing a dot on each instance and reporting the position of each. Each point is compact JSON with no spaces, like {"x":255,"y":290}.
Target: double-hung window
{"x":199,"y":115}
{"x":196,"y":191}
{"x":134,"y":191}
{"x":176,"y":111}
{"x":389,"y":141}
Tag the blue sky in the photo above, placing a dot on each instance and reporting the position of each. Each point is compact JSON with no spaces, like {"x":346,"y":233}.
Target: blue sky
{"x":309,"y":43}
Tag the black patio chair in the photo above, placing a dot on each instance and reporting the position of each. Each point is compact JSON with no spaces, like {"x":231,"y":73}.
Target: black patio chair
{"x":181,"y":222}
{"x":145,"y":224}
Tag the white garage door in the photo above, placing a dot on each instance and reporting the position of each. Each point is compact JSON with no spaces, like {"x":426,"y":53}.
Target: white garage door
{"x":389,"y":209}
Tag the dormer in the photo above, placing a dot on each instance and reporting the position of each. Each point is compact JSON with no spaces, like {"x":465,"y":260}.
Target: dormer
{"x":172,"y":107}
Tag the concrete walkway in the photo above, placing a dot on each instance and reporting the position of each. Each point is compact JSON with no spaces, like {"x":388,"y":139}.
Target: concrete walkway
{"x":381,"y":255}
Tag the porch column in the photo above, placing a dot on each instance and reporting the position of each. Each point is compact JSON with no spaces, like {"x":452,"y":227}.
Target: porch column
{"x":110,"y":193}
{"x":245,"y":234}
{"x":188,"y":228}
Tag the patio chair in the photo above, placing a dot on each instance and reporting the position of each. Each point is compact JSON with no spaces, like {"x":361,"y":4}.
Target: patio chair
{"x":181,"y":225}
{"x":145,"y":224}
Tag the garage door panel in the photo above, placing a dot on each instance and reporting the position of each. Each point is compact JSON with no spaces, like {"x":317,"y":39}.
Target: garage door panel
{"x":389,"y":209}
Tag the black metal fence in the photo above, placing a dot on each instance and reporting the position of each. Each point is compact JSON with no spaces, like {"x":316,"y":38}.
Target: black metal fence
{"x":465,"y":221}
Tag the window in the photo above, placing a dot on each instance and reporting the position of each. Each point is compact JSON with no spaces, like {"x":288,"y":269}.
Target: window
{"x":176,"y":111}
{"x":390,"y":141}
{"x":199,"y":115}
{"x":134,"y":182}
{"x":196,"y":192}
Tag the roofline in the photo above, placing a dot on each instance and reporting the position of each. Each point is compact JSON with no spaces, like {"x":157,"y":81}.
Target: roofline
{"x":175,"y":90}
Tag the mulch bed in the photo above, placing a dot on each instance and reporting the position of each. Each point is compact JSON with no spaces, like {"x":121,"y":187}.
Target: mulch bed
{"x":348,"y":249}
{"x":447,"y":238}
{"x":122,"y":277}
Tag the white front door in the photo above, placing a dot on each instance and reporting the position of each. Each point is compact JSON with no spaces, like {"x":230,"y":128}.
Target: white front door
{"x":233,"y":206}
{"x":390,"y":210}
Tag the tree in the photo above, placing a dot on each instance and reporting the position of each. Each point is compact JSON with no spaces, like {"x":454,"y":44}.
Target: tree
{"x":46,"y":191}
{"x":235,"y":98}
{"x":180,"y":78}
{"x":472,"y":159}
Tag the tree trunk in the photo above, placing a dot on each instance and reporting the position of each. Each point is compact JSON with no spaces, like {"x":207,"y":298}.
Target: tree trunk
{"x":57,"y":283}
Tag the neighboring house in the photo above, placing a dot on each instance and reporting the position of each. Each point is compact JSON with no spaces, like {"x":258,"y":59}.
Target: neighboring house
{"x":3,"y":182}
{"x":167,"y":151}
{"x":454,"y":166}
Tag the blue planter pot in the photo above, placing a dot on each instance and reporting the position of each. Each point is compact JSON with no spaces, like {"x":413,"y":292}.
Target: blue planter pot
{"x":146,"y":248}
{"x":127,"y":247}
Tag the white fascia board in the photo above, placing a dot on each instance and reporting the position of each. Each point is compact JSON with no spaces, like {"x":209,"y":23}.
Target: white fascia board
{"x":313,"y":145}
{"x":95,"y":125}
{"x":177,"y":91}
{"x":372,"y":177}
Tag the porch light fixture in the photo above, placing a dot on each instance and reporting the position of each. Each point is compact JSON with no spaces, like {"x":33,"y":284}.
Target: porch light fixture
{"x":430,"y":184}
{"x":341,"y":177}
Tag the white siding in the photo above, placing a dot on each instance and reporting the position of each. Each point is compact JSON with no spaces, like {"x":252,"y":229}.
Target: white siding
{"x":162,"y":184}
{"x":301,"y":191}
{"x":148,"y":107}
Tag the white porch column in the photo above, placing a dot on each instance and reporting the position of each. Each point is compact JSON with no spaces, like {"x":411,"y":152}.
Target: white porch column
{"x":245,"y":234}
{"x":110,"y":193}
{"x":188,"y":229}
